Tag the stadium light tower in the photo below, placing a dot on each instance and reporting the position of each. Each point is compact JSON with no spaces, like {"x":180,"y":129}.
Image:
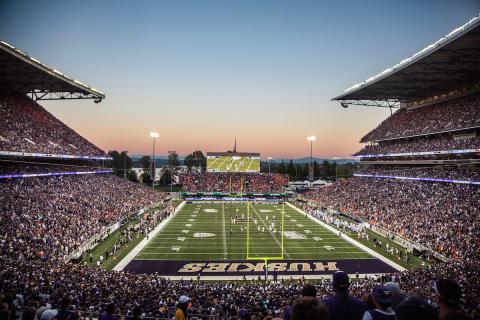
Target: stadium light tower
{"x":269,"y":158}
{"x":153,"y":135}
{"x":310,"y":171}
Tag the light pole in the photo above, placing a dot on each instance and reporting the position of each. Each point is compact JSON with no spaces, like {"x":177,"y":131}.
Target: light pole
{"x":153,"y":135}
{"x":269,"y":158}
{"x":310,"y":173}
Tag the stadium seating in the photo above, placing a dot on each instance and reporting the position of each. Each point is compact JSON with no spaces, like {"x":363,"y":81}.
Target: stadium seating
{"x":433,"y":143}
{"x":50,"y":217}
{"x":28,"y":127}
{"x":451,"y":115}
{"x":447,"y":173}
{"x":412,"y":209}
{"x":233,"y":182}
{"x":19,"y":168}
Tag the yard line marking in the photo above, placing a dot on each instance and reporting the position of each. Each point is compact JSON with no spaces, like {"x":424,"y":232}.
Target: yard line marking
{"x":251,"y":161}
{"x":221,"y":164}
{"x":224,"y":237}
{"x":211,"y":163}
{"x":273,"y":235}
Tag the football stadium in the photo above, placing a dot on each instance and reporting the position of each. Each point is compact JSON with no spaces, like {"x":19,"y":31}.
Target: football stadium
{"x":396,"y":239}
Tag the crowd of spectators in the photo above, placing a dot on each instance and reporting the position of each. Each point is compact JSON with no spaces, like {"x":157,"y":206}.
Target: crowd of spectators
{"x":450,"y":115}
{"x":28,"y":127}
{"x":91,"y":291}
{"x":135,"y":228}
{"x":50,"y":217}
{"x":23,"y":167}
{"x":233,"y":182}
{"x":444,"y":142}
{"x":46,"y":218}
{"x":447,"y":173}
{"x":441,"y":216}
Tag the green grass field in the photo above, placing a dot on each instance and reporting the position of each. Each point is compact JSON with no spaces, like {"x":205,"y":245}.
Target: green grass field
{"x":233,"y":164}
{"x":202,"y":231}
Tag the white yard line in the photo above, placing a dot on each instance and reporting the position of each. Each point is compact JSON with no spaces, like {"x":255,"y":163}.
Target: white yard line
{"x":251,"y":161}
{"x":131,"y":255}
{"x":241,"y":165}
{"x":224,"y":237}
{"x":211,"y":163}
{"x":351,"y":240}
{"x":221,"y":164}
{"x":272,"y":234}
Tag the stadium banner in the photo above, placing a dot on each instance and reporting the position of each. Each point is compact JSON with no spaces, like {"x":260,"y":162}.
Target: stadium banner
{"x":416,"y":178}
{"x":250,"y":267}
{"x":233,"y":162}
{"x":48,"y":155}
{"x":53,"y":174}
{"x":423,"y":153}
{"x":221,"y":196}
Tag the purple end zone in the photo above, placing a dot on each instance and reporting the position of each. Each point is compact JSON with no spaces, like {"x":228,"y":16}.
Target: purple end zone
{"x":256,"y":267}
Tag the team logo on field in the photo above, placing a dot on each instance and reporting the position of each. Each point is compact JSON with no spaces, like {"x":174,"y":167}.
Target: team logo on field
{"x":203,"y":235}
{"x":294,"y":235}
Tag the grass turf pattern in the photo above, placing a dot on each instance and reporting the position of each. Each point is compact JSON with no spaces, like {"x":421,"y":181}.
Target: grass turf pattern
{"x":207,"y":231}
{"x":233,"y":164}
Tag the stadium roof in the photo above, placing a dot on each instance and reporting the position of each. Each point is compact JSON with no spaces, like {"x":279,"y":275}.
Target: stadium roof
{"x":24,"y":74}
{"x":450,"y":64}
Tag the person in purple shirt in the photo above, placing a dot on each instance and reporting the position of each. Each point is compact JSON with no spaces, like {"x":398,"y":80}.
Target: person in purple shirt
{"x":342,"y":306}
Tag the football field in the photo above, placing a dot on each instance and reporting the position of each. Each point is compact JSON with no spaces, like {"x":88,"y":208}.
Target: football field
{"x":219,"y":231}
{"x":233,"y":164}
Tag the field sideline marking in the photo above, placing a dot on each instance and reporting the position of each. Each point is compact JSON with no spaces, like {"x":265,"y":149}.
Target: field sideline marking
{"x":224,"y":237}
{"x":142,"y":244}
{"x":351,"y":240}
{"x":242,"y":252}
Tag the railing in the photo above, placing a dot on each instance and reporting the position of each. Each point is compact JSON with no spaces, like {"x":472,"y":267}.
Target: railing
{"x":94,"y":240}
{"x":387,"y":233}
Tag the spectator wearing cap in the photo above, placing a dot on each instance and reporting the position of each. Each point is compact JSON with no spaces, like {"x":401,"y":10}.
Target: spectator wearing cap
{"x":65,"y":313}
{"x":342,"y":306}
{"x":397,"y":294}
{"x":414,"y":308}
{"x":382,"y":297}
{"x":308,"y":290}
{"x":28,"y":313}
{"x":109,"y":313}
{"x":449,"y":295}
{"x":309,"y":308}
{"x":181,"y":312}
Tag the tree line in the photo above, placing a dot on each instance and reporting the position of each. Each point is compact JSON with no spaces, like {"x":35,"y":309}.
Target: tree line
{"x":299,"y":171}
{"x":122,"y":165}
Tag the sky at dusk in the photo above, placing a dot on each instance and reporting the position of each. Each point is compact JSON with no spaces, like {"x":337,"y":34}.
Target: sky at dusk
{"x":204,"y":72}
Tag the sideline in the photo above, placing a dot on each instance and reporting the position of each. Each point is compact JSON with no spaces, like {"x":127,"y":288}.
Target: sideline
{"x":132,"y":254}
{"x":351,"y":240}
